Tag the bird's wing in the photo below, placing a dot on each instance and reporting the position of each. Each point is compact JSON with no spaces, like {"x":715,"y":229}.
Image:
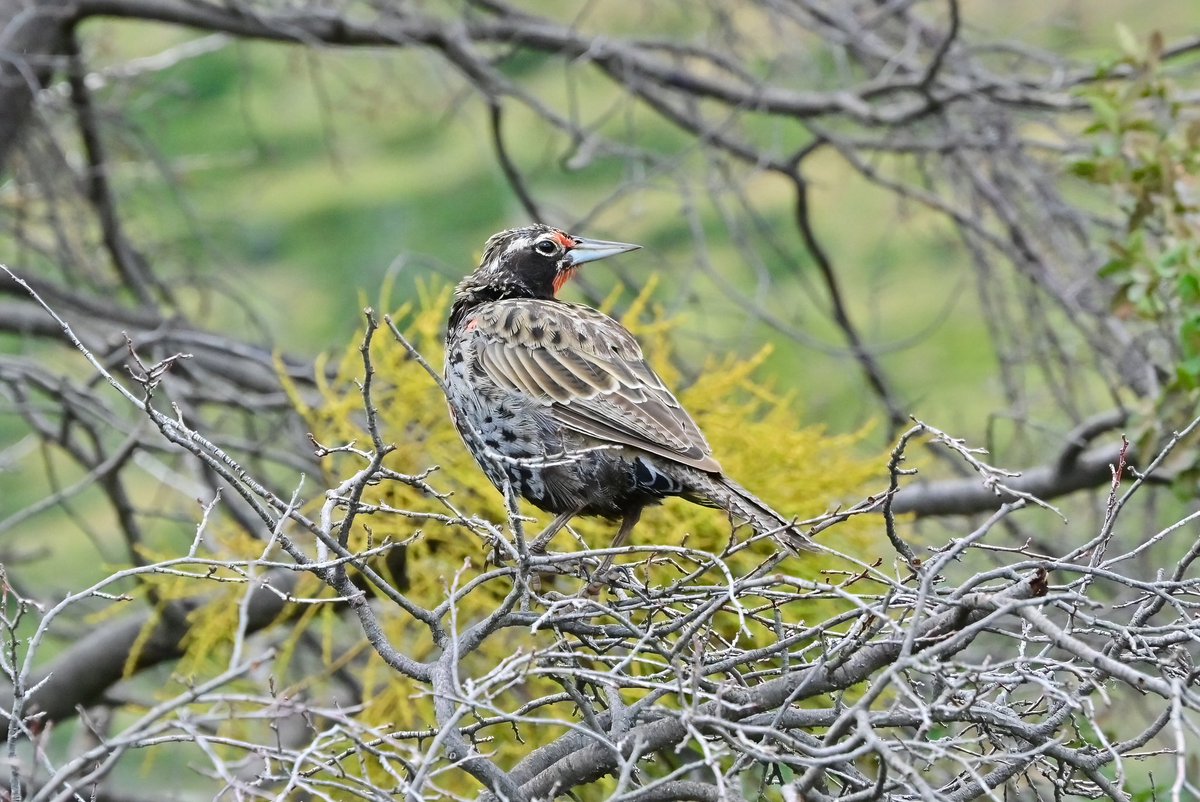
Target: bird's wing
{"x":589,"y":371}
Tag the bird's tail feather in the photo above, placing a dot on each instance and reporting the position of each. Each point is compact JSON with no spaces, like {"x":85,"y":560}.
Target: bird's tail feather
{"x":723,"y":492}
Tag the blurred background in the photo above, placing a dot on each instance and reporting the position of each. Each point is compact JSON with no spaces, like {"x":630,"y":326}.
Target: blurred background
{"x":981,"y":215}
{"x":308,"y":178}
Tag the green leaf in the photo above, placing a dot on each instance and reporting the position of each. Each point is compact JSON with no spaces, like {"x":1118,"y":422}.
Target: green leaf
{"x":1084,"y":168}
{"x":1106,"y":112}
{"x":1167,"y":264}
{"x":1189,"y":337}
{"x":1114,"y":268}
{"x":1188,"y":373}
{"x":1187,"y":286}
{"x":1128,"y":42}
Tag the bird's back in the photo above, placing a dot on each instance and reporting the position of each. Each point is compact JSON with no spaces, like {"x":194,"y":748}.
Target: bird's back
{"x":565,"y":383}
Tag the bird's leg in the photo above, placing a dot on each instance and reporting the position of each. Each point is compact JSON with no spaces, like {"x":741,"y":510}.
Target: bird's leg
{"x":537,"y":547}
{"x":632,"y":516}
{"x":539,"y":543}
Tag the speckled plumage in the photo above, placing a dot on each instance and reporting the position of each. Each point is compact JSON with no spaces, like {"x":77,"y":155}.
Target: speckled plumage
{"x":557,"y":399}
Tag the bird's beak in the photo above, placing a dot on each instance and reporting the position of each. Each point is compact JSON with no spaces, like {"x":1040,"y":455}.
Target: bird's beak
{"x":589,"y":250}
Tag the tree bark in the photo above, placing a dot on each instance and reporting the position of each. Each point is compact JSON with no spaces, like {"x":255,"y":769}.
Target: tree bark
{"x":33,"y":41}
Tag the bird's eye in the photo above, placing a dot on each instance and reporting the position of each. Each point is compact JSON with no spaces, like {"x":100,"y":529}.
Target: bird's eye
{"x":546,"y":248}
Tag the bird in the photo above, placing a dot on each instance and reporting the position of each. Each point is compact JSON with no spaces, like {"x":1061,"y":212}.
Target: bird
{"x":556,"y":401}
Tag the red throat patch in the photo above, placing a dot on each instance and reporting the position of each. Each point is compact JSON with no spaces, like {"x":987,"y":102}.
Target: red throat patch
{"x":562,"y":277}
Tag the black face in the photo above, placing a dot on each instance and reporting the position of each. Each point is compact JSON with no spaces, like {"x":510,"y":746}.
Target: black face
{"x":531,"y":262}
{"x":527,"y":262}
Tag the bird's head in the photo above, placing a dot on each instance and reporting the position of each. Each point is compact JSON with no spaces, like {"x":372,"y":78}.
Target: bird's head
{"x":534,"y":262}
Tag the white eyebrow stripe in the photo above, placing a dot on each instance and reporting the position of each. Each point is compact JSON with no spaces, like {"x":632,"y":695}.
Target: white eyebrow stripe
{"x":517,"y":244}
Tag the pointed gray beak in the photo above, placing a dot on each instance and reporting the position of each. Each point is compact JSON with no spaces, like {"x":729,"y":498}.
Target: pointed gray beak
{"x":589,"y":250}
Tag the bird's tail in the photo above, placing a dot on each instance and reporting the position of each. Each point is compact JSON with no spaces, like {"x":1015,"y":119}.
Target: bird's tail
{"x":745,"y":507}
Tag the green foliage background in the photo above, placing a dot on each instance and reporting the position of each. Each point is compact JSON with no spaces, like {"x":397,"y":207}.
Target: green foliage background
{"x":311,"y":172}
